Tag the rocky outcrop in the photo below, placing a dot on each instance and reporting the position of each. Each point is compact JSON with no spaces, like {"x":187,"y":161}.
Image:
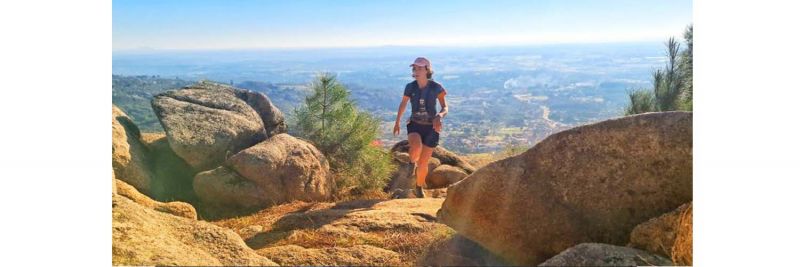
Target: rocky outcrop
{"x":403,"y":178}
{"x":444,"y":175}
{"x":207,"y":122}
{"x":359,"y":255}
{"x":443,"y":155}
{"x":175,"y":208}
{"x":142,"y":236}
{"x":277,"y":170}
{"x":128,"y":154}
{"x":286,"y":168}
{"x":593,"y":254}
{"x":452,"y":168}
{"x":271,"y":116}
{"x":592,"y":183}
{"x":404,"y":227}
{"x":222,"y":187}
{"x":367,"y":216}
{"x":658,"y":235}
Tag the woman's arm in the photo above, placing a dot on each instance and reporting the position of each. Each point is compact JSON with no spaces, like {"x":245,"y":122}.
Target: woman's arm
{"x":443,"y":103}
{"x":437,"y":121}
{"x":401,"y":109}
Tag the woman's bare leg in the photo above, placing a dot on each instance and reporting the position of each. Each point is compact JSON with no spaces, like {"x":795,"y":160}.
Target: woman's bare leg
{"x":422,"y":165}
{"x":415,"y":146}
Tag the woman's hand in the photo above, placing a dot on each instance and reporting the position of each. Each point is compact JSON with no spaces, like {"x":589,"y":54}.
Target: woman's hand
{"x":437,"y":124}
{"x":396,"y":130}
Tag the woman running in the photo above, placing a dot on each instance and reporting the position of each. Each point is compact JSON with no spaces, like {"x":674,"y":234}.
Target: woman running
{"x":425,"y":123}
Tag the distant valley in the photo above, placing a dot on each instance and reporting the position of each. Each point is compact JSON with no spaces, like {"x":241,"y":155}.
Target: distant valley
{"x":498,"y":97}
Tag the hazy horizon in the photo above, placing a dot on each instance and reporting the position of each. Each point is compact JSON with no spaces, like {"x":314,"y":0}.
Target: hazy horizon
{"x":213,"y":25}
{"x":396,"y":58}
{"x":147,"y":50}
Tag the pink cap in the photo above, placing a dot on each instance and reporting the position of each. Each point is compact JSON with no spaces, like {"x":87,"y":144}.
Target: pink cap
{"x":422,"y":62}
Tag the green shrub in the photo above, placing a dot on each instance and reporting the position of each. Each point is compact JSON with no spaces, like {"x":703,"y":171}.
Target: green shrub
{"x":641,"y":101}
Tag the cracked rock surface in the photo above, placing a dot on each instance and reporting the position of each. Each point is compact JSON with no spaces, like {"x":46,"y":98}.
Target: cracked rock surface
{"x":207,"y":122}
{"x":277,"y":170}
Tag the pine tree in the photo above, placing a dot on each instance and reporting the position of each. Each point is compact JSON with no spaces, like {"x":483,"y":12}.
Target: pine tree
{"x":672,"y":85}
{"x":667,"y":83}
{"x":329,"y":119}
{"x":686,"y":68}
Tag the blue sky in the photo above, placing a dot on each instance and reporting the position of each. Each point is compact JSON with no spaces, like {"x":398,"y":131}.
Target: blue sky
{"x":184,"y":24}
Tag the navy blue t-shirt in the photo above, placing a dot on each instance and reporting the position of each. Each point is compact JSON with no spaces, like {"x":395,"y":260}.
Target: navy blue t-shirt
{"x":423,"y":101}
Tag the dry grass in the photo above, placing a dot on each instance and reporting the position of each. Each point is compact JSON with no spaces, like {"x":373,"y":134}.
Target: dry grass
{"x":312,"y":238}
{"x":355,"y":193}
{"x":413,"y":245}
{"x":264,"y":217}
{"x":682,"y":249}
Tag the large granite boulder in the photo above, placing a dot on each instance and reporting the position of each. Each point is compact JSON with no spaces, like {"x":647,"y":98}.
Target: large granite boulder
{"x":143,"y":236}
{"x":444,"y":175}
{"x":271,"y":116}
{"x":592,"y":183}
{"x":223,"y":187}
{"x":277,"y":170}
{"x":207,"y":122}
{"x":128,"y":154}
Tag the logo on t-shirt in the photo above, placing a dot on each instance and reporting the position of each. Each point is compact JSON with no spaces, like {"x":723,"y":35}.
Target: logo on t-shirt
{"x":420,"y":114}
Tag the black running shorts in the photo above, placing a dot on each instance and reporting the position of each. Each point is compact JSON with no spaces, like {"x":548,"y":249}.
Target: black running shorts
{"x":430,"y":138}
